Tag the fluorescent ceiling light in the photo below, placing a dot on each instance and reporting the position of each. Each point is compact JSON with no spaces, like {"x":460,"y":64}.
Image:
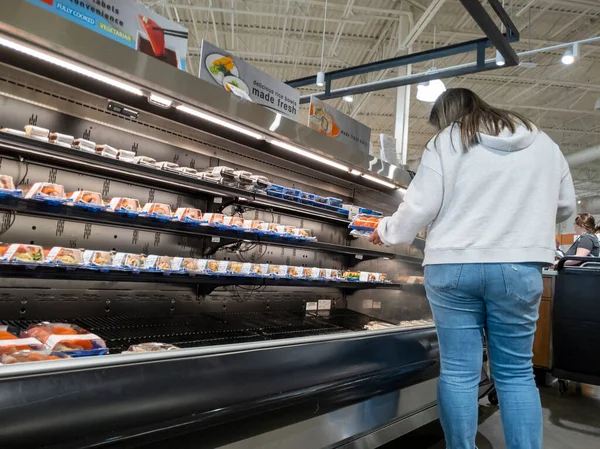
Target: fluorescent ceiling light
{"x":217,"y":121}
{"x":160,"y":101}
{"x":500,"y":61}
{"x":380,"y":181}
{"x":431,"y":90}
{"x":65,"y":64}
{"x":320,"y":79}
{"x":348,"y":98}
{"x":310,"y":155}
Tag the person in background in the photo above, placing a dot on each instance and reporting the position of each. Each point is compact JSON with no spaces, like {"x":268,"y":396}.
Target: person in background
{"x":559,"y":253}
{"x":492,"y":186}
{"x":587,"y":243}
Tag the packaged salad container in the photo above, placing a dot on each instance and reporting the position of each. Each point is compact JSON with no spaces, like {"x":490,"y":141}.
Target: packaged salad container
{"x":188,"y":215}
{"x":127,"y":261}
{"x":187,"y":171}
{"x":68,"y":339}
{"x":157,"y":210}
{"x":129,"y":206}
{"x":156,"y":263}
{"x":87,"y":199}
{"x":19,"y":253}
{"x":97,"y":259}
{"x":64,"y":256}
{"x":7,"y":186}
{"x":45,"y":191}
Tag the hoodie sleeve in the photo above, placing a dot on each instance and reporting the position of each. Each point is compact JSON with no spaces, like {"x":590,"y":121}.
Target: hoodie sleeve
{"x":422,"y":203}
{"x":566,"y":199}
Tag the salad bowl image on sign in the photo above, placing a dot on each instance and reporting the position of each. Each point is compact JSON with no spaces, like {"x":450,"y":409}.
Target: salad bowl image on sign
{"x":236,"y":76}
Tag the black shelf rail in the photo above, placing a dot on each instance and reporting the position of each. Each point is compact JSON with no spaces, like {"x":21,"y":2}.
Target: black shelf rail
{"x":72,"y":213}
{"x":81,"y":274}
{"x":47,"y":153}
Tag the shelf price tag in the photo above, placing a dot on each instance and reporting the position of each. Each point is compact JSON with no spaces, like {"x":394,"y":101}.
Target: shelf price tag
{"x":216,"y":240}
{"x":311,"y":306}
{"x":218,"y":200}
{"x":359,"y":256}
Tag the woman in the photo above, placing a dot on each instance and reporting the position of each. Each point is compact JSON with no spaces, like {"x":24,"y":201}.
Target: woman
{"x":492,"y":186}
{"x":587,"y":243}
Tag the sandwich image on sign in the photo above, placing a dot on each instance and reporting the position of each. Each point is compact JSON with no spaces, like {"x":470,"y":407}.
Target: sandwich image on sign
{"x":320,"y":120}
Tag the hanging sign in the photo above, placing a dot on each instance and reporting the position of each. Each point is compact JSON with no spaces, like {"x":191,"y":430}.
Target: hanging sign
{"x":339,"y":126}
{"x":127,"y":22}
{"x":235,"y":75}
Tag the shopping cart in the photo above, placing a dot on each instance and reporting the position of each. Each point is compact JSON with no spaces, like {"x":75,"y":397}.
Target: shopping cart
{"x":576,"y":322}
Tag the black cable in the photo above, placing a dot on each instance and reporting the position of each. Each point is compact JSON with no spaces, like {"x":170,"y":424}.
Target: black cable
{"x":24,"y":176}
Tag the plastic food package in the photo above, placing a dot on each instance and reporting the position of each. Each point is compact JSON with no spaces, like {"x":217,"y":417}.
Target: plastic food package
{"x":36,"y":132}
{"x":334,"y":202}
{"x":214,"y":218}
{"x":223,"y":267}
{"x":365,"y":276}
{"x":143,"y":160}
{"x":252,"y":224}
{"x":187,"y":171}
{"x":127,"y":261}
{"x":29,"y":356}
{"x":320,"y":200}
{"x":47,"y":192}
{"x":259,"y":183}
{"x":126,"y":156}
{"x":87,"y":198}
{"x":352,"y":275}
{"x":185,"y":265}
{"x":7,"y":186}
{"x":107,"y":151}
{"x":189,"y":215}
{"x":382,"y":277}
{"x":64,"y":256}
{"x":364,"y":225}
{"x":124,"y":205}
{"x":243,"y":178}
{"x":85,"y":145}
{"x":234,"y":222}
{"x":253,"y":269}
{"x":235,"y":268}
{"x":270,"y":228}
{"x":278,"y":270}
{"x":212,"y":266}
{"x":10,"y":343}
{"x":61,"y":139}
{"x":329,"y":274}
{"x":14,"y":132}
{"x":295,"y":272}
{"x":223,"y":172}
{"x":19,"y":253}
{"x":311,"y":273}
{"x":285,"y":230}
{"x":156,"y":263}
{"x":168,"y":166}
{"x":67,"y":338}
{"x":97,"y":259}
{"x":150,"y":347}
{"x":157,"y":210}
{"x":303,"y":234}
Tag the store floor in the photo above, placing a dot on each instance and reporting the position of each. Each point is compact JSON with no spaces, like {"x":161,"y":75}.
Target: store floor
{"x":571,"y":421}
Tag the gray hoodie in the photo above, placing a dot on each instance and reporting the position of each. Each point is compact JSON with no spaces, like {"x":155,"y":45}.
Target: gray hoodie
{"x":498,"y":202}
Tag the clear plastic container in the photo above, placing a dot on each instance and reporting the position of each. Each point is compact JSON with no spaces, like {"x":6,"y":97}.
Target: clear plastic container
{"x":321,"y":200}
{"x":352,"y":275}
{"x":186,"y":265}
{"x":14,"y":132}
{"x":278,"y":270}
{"x":259,"y":183}
{"x":254,"y":269}
{"x":187,"y":171}
{"x":10,"y":342}
{"x":30,"y":356}
{"x":7,"y":186}
{"x":214,"y":218}
{"x":85,"y":145}
{"x":286,"y":230}
{"x":294,"y":272}
{"x":234,"y":222}
{"x":46,"y":191}
{"x":64,"y":256}
{"x":156,"y":263}
{"x":150,"y":347}
{"x":36,"y":132}
{"x":291,"y":192}
{"x":382,"y":277}
{"x":329,"y":274}
{"x":308,"y":197}
{"x":107,"y":151}
{"x":303,"y":233}
{"x":243,"y":178}
{"x":124,"y":205}
{"x":143,"y":160}
{"x":20,"y":253}
{"x":212,"y":266}
{"x":87,"y":198}
{"x":189,"y":215}
{"x":235,"y":268}
{"x":63,"y":139}
{"x":126,"y":156}
{"x":366,"y":276}
{"x":157,"y":210}
{"x":168,"y":166}
{"x":97,"y":259}
{"x":68,"y":339}
{"x":334,"y":202}
{"x":253,"y":224}
{"x":127,"y":261}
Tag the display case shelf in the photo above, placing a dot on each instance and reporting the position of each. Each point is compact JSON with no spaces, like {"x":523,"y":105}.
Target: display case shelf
{"x":47,"y":153}
{"x":71,"y":213}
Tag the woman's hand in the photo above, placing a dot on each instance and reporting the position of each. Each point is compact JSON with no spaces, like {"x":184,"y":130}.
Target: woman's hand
{"x":375,"y":238}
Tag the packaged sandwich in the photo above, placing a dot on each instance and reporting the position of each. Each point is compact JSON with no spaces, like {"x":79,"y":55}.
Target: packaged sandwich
{"x":61,"y":139}
{"x":64,"y":256}
{"x":143,"y":160}
{"x":234,"y":222}
{"x":352,"y":275}
{"x":294,"y":272}
{"x":212,"y":266}
{"x":10,"y":342}
{"x":214,"y":219}
{"x":149,"y":347}
{"x":286,"y":230}
{"x":258,"y":183}
{"x":128,"y":206}
{"x":87,"y":200}
{"x":157,"y":210}
{"x":235,"y":268}
{"x":185,"y":265}
{"x":30,"y":356}
{"x":303,"y":234}
{"x":187,"y":171}
{"x":19,"y":253}
{"x":7,"y":187}
{"x":222,"y":174}
{"x":127,"y":261}
{"x":252,"y":225}
{"x":68,"y":339}
{"x":126,"y":156}
{"x":156,"y":263}
{"x":189,"y":215}
{"x":365,"y":276}
{"x":45,"y":191}
{"x":35,"y":132}
{"x":85,"y":145}
{"x":14,"y":132}
{"x":107,"y":151}
{"x":168,"y":166}
{"x":97,"y":259}
{"x":243,"y":178}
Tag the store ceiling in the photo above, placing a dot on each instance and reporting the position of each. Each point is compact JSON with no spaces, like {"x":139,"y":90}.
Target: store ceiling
{"x":284,"y":37}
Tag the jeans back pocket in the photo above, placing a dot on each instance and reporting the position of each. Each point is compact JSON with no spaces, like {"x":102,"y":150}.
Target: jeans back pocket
{"x":523,"y":281}
{"x":442,"y":277}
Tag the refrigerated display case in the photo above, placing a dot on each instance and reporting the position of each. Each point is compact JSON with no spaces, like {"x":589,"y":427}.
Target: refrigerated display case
{"x":261,"y":359}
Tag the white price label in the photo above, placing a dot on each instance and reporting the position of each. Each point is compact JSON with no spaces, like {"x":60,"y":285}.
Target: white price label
{"x":359,"y":256}
{"x":311,"y":306}
{"x":218,"y":200}
{"x":377,"y":304}
{"x":216,"y":239}
{"x":324,"y":304}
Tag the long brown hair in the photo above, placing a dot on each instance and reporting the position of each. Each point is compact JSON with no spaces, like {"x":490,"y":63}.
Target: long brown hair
{"x":587,"y":222}
{"x":466,"y":109}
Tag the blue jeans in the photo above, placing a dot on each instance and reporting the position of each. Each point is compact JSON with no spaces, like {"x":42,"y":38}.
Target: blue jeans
{"x":502,"y":300}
